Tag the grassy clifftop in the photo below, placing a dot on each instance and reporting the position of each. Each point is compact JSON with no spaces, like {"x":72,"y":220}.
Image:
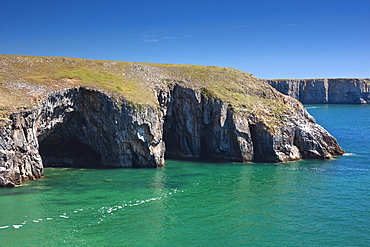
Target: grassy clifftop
{"x":24,"y":80}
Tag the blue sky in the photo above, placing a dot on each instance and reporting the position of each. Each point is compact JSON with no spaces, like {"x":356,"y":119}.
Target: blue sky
{"x":268,"y":38}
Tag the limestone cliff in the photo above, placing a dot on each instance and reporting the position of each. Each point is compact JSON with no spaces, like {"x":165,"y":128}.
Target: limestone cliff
{"x":325,"y":91}
{"x":84,"y":113}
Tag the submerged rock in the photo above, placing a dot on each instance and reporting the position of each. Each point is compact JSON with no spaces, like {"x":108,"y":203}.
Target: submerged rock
{"x":235,"y":117}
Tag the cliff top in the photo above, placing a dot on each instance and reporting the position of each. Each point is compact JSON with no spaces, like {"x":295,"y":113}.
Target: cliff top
{"x":24,"y":81}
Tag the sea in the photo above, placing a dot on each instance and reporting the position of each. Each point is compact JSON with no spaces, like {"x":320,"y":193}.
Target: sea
{"x":304,"y":203}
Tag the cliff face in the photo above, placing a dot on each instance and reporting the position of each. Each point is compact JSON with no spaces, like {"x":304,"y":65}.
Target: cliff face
{"x":19,"y":155}
{"x":80,"y":126}
{"x":199,"y":127}
{"x":325,"y":91}
{"x":67,"y":131}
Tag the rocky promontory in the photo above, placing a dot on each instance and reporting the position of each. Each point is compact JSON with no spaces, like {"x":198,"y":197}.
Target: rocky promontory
{"x":325,"y":91}
{"x":88,"y":113}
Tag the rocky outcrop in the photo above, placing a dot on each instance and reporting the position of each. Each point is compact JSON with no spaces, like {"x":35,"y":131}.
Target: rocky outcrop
{"x":79,"y":127}
{"x":325,"y":91}
{"x":198,"y":127}
{"x":19,"y":155}
{"x":206,"y":128}
{"x":84,"y":113}
{"x":121,"y":135}
{"x":86,"y":127}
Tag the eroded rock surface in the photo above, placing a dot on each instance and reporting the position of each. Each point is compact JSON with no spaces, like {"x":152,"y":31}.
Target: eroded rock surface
{"x":79,"y":127}
{"x":19,"y":156}
{"x":85,"y":127}
{"x":198,"y":127}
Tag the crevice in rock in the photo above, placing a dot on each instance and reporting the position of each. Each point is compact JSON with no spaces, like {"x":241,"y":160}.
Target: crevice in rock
{"x":181,"y":125}
{"x":204,"y":149}
{"x":298,"y":143}
{"x":172,"y":141}
{"x":257,"y":150}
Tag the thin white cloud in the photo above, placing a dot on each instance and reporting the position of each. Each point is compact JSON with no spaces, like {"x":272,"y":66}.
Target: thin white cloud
{"x":150,"y":34}
{"x":177,"y":37}
{"x":151,"y":40}
{"x":158,"y":35}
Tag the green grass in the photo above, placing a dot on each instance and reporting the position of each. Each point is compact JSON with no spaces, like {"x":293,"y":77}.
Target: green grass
{"x":24,"y":80}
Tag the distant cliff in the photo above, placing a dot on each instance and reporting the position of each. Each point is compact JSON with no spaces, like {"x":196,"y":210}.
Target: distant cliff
{"x":325,"y":91}
{"x":83,"y":113}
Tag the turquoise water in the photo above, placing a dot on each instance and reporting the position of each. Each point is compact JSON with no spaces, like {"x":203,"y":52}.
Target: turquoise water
{"x":306,"y":203}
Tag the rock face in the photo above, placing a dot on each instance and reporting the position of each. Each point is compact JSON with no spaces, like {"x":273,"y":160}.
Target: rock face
{"x":325,"y":91}
{"x":201,"y":127}
{"x":198,"y":127}
{"x":19,"y":155}
{"x":67,"y":131}
{"x":80,"y":126}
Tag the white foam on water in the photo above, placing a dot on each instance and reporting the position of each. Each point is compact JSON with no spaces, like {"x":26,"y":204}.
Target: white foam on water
{"x":105,"y":211}
{"x":111,"y":209}
{"x":311,"y":107}
{"x":349,"y":154}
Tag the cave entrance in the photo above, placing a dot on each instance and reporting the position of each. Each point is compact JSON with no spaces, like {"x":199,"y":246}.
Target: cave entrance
{"x":57,"y":151}
{"x":173,"y":147}
{"x":180,"y":145}
{"x":258,"y":154}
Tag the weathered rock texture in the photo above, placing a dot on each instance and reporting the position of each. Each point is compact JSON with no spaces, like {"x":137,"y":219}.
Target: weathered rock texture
{"x":245,"y":121}
{"x":79,"y":127}
{"x":200,"y":127}
{"x":325,"y":91}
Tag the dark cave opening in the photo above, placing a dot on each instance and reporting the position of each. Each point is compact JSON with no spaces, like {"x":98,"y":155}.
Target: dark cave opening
{"x":173,"y":147}
{"x":180,"y":147}
{"x":57,"y":151}
{"x":204,"y":150}
{"x":258,"y":154}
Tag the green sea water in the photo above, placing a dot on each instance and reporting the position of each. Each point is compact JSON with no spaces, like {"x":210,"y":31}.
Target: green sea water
{"x":305,"y":203}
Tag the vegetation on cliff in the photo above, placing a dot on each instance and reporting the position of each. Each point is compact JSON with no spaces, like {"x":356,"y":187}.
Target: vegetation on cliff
{"x":24,"y":80}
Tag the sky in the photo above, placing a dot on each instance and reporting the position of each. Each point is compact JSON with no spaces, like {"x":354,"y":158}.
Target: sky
{"x":272,"y":39}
